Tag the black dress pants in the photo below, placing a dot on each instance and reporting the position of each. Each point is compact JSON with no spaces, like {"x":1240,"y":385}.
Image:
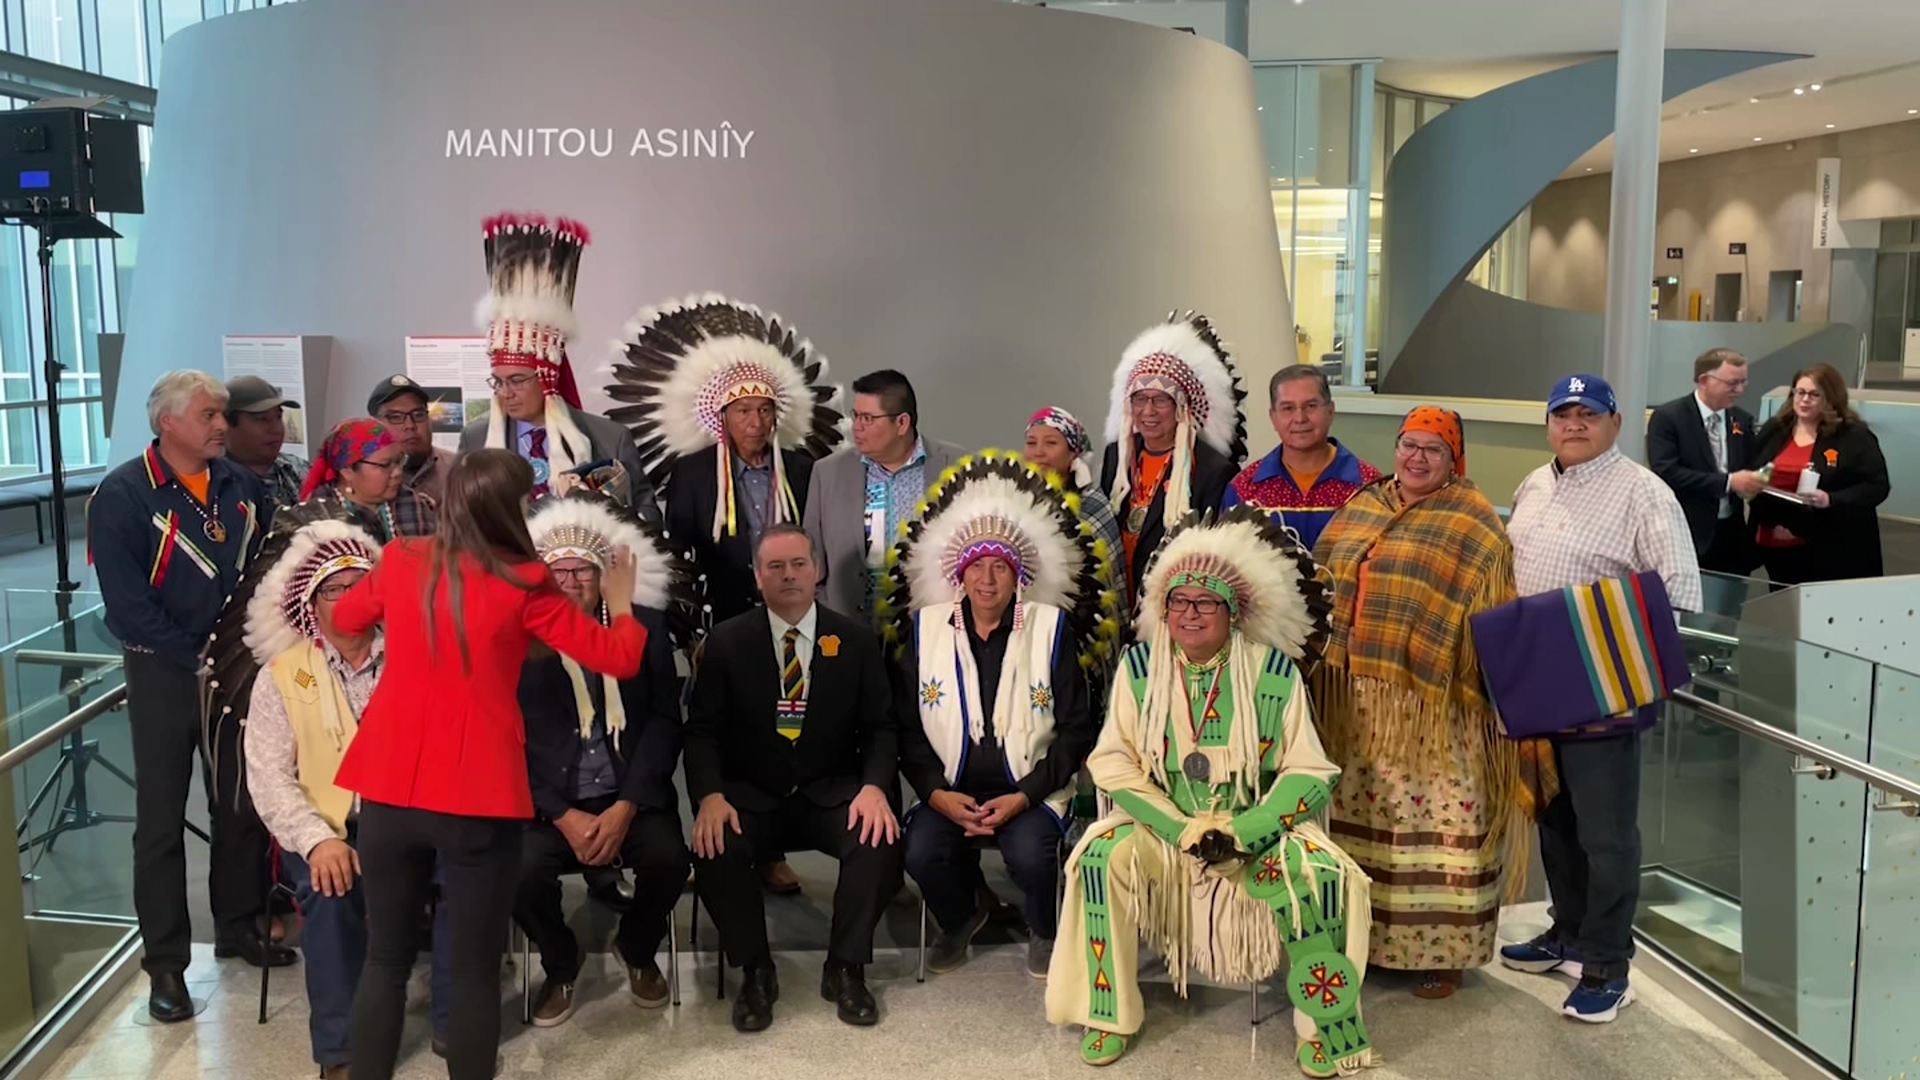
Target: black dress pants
{"x":731,"y":890}
{"x":480,"y":863}
{"x":1590,"y":849}
{"x":163,"y":713}
{"x":654,"y":852}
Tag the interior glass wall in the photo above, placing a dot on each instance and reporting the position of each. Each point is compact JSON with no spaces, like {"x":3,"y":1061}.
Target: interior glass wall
{"x":1312,"y":116}
{"x":118,"y":39}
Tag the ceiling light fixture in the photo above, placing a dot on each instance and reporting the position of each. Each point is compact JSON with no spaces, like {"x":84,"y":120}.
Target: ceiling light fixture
{"x":1758,"y":138}
{"x":1913,"y":112}
{"x":1815,"y":87}
{"x":1799,"y":91}
{"x":1829,"y":127}
{"x":1693,"y":150}
{"x":1753,"y":101}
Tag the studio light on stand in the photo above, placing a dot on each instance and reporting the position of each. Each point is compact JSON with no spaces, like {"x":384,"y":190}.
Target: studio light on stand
{"x":60,"y":167}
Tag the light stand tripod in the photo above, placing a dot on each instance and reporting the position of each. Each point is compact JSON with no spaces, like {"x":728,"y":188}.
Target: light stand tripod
{"x":78,"y":754}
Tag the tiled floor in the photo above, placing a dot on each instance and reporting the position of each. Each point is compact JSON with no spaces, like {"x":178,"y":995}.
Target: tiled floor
{"x":984,"y":1020}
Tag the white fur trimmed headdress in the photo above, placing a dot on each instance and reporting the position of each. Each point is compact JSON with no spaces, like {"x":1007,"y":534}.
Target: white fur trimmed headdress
{"x":587,"y":525}
{"x":995,"y":504}
{"x":1276,"y":595}
{"x":682,"y":362}
{"x":280,"y":613}
{"x":533,"y":266}
{"x":1185,"y":359}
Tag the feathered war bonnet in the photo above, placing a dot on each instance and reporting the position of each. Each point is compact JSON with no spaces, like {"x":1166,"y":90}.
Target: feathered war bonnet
{"x":532,"y":268}
{"x":586,"y":525}
{"x":1185,"y":359}
{"x":995,"y":504}
{"x":681,"y":363}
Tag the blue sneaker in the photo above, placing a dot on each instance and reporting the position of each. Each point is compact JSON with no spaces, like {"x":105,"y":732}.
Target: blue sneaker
{"x":1541,"y":955}
{"x":1598,"y":1002}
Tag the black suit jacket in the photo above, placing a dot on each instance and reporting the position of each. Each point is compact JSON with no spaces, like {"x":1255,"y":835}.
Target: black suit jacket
{"x":1843,"y":539}
{"x":1211,"y":474}
{"x":1680,"y":452}
{"x":848,"y":739}
{"x":649,"y":748}
{"x":692,"y":494}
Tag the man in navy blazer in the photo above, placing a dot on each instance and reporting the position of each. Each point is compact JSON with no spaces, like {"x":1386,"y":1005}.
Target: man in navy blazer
{"x":1702,"y":445}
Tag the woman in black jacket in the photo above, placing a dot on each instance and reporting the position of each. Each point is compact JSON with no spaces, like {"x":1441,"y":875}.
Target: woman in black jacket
{"x":1832,"y":530}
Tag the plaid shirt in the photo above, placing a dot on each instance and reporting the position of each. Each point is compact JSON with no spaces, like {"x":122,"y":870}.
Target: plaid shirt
{"x":284,"y":480}
{"x":1607,"y":518}
{"x":1099,"y":514}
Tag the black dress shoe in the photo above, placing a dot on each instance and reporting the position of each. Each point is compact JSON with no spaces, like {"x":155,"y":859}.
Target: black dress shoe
{"x":846,"y":986}
{"x":168,"y":1000}
{"x":253,"y":952}
{"x":611,"y":888}
{"x":753,"y":1005}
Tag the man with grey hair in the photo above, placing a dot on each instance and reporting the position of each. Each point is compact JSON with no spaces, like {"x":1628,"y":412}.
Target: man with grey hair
{"x":1701,"y":445}
{"x":1309,"y":476}
{"x":169,"y":534}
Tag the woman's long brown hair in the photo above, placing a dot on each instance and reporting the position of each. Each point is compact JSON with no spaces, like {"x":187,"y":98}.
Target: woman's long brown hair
{"x":1834,"y":410}
{"x":482,"y":516}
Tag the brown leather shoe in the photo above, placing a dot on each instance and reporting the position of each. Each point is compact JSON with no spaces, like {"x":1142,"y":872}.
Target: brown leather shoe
{"x":779,"y":879}
{"x":554,"y":1005}
{"x":337,"y":1072}
{"x":647,"y":985}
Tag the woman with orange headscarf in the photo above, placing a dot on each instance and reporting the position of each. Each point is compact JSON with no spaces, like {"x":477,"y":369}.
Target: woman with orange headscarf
{"x":1433,"y":801}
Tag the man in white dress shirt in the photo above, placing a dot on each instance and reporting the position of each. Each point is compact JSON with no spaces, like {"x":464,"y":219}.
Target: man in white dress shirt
{"x":1591,"y":514}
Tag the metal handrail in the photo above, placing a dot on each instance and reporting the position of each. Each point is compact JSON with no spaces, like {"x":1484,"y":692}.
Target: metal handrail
{"x":1907,"y":790}
{"x":60,"y":728}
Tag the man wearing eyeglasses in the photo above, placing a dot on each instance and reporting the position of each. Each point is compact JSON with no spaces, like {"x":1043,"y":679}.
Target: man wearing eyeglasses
{"x":1701,"y":445}
{"x":857,"y":501}
{"x":525,"y":406}
{"x":1309,"y":476}
{"x":401,"y":404}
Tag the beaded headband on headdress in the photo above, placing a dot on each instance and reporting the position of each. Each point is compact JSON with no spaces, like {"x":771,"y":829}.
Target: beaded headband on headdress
{"x":533,"y":267}
{"x":1171,"y":376}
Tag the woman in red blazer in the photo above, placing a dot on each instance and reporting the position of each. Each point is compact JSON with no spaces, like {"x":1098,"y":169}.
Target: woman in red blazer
{"x":439,"y":760}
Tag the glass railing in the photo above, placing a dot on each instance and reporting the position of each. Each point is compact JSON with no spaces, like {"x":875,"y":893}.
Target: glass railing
{"x":66,"y":897}
{"x":1781,"y":851}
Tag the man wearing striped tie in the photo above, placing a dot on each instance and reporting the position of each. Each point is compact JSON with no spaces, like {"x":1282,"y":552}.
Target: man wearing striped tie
{"x":790,"y":745}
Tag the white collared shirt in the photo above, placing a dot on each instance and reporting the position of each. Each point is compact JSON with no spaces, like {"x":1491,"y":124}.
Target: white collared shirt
{"x":803,"y":646}
{"x":1607,"y":518}
{"x":1709,"y":418}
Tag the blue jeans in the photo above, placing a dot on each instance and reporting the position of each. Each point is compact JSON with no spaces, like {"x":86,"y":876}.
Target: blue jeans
{"x":945,"y":863}
{"x":333,"y":939}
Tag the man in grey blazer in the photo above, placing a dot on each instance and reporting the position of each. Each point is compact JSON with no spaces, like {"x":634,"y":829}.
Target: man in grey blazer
{"x":859,"y":498}
{"x":519,"y":411}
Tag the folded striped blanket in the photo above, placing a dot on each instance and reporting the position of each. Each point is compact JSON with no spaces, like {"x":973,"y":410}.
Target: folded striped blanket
{"x":1583,"y":661}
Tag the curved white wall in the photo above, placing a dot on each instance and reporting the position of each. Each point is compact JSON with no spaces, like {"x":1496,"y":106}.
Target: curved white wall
{"x":992,"y":198}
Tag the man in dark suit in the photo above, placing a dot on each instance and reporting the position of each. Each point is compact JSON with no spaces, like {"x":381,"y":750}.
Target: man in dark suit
{"x":693,"y":496}
{"x":1701,"y":445}
{"x":790,"y":742}
{"x":602,"y":791}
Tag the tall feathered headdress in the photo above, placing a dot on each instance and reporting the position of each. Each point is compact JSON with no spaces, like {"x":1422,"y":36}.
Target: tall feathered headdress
{"x":1274,"y":588}
{"x":271,"y":610}
{"x":532,"y":268}
{"x":586,"y":525}
{"x":1185,"y":359}
{"x":684,"y":361}
{"x":995,"y":504}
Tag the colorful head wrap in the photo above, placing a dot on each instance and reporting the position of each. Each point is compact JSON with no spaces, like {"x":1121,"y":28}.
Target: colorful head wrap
{"x":1444,"y":423}
{"x":349,"y":443}
{"x":1066,"y":424}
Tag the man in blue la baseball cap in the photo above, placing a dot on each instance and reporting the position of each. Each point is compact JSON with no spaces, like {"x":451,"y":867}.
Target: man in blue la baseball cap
{"x":1583,"y":419}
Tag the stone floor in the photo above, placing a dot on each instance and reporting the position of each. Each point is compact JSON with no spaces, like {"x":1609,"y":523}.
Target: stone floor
{"x":984,"y":1020}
